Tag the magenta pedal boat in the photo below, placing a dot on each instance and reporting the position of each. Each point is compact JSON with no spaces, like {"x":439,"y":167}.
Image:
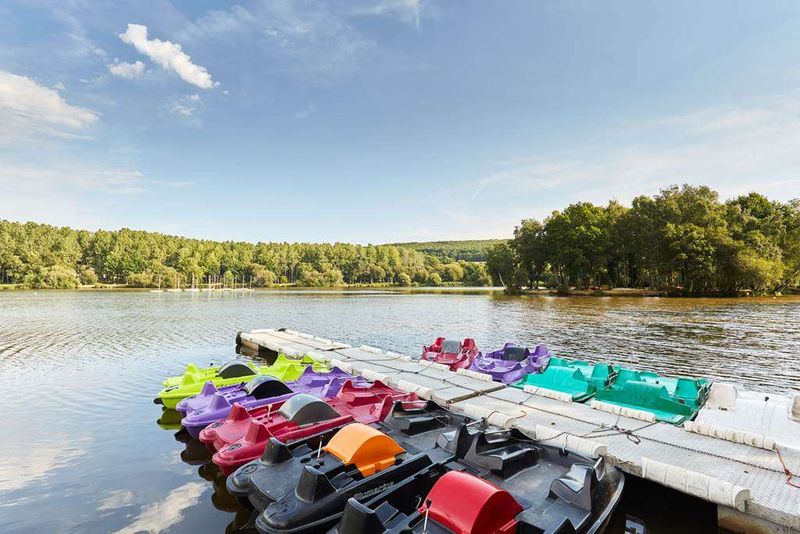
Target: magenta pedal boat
{"x":213,"y":405}
{"x":511,"y":363}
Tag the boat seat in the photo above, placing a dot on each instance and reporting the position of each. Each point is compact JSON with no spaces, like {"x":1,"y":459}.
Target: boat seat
{"x":451,"y":347}
{"x":235,"y":369}
{"x":575,"y":486}
{"x":514,"y":354}
{"x":304,"y":409}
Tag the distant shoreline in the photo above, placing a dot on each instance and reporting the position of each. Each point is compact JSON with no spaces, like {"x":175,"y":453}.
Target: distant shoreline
{"x":606,"y":293}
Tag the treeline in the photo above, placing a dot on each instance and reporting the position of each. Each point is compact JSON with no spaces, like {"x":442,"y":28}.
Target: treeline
{"x":682,"y":239}
{"x":448,"y":251}
{"x":42,"y":256}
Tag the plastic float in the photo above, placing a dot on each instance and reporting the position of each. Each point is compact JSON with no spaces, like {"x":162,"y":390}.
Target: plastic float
{"x":757,"y":419}
{"x":326,"y":469}
{"x":243,"y":436}
{"x":575,"y":380}
{"x":236,"y":372}
{"x":263,"y":391}
{"x":455,"y":355}
{"x":651,"y":397}
{"x":511,"y":363}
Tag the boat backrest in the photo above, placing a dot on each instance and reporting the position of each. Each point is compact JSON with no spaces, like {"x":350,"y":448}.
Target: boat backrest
{"x":235,"y":369}
{"x":265,"y":386}
{"x":515,"y":354}
{"x":468,"y":343}
{"x":794,"y":408}
{"x":304,"y":409}
{"x":600,"y":372}
{"x":722,"y":396}
{"x":541,"y":350}
{"x":451,"y":346}
{"x":687,"y":388}
{"x":626,"y":375}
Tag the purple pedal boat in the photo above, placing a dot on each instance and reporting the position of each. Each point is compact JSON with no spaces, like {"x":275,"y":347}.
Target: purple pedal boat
{"x":213,"y":404}
{"x":511,"y":363}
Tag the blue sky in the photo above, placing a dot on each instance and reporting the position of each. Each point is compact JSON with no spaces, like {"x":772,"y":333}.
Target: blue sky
{"x":385,"y":120}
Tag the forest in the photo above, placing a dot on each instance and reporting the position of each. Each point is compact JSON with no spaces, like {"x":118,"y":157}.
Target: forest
{"x":40,"y":256}
{"x":683,"y":240}
{"x":448,"y":251}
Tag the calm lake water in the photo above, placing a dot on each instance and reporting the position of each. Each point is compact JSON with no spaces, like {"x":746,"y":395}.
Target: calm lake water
{"x":82,"y":450}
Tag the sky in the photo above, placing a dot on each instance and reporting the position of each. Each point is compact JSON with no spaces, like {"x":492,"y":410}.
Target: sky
{"x":375,"y":121}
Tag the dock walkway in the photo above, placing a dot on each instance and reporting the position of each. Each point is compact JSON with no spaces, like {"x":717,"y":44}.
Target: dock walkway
{"x":748,"y":484}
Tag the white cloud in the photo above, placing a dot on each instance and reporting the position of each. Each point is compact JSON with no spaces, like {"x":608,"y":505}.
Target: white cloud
{"x":33,"y":462}
{"x":160,"y":516}
{"x":184,"y":105}
{"x":306,"y":112}
{"x":733,"y":150}
{"x":408,"y":11}
{"x":126,"y":70}
{"x":59,"y":87}
{"x":168,"y":55}
{"x":117,"y":499}
{"x":308,"y":38}
{"x":65,"y":177}
{"x":28,"y":110}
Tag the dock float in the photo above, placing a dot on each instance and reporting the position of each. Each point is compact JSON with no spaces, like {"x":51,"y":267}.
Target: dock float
{"x":747,"y":483}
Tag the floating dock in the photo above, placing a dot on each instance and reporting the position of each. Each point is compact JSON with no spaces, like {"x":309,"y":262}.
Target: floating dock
{"x":748,"y":484}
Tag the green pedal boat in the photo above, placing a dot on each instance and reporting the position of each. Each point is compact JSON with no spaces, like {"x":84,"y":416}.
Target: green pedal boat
{"x":576,"y":378}
{"x":234,"y":372}
{"x":670,"y":400}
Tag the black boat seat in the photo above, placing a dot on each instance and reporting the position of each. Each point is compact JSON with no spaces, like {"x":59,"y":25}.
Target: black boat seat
{"x":575,"y":486}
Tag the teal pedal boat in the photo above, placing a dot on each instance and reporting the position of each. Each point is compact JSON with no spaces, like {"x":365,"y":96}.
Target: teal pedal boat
{"x":234,"y":372}
{"x":670,"y":400}
{"x":579,"y":379}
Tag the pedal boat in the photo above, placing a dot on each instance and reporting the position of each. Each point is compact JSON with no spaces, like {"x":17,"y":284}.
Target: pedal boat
{"x":456,"y":355}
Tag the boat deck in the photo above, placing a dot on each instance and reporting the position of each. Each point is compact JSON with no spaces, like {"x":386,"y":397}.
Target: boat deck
{"x":748,"y":484}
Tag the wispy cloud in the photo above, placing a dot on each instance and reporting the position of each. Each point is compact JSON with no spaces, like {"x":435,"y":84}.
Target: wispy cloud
{"x":29,"y":110}
{"x":127,"y":70}
{"x":168,"y":55}
{"x":20,"y":469}
{"x":116,"y":499}
{"x":306,"y":37}
{"x":306,"y":112}
{"x":185,"y":105}
{"x":160,"y":516}
{"x":734,"y":150}
{"x":408,"y":11}
{"x":30,"y":179}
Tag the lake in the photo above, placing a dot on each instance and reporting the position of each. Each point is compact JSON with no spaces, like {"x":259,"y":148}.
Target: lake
{"x":82,"y":450}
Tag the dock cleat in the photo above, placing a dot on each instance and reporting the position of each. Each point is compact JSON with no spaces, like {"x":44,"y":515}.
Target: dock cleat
{"x":500,"y":482}
{"x":243,"y":436}
{"x":512,"y":363}
{"x":261,"y":391}
{"x":234,"y":373}
{"x":449,"y":352}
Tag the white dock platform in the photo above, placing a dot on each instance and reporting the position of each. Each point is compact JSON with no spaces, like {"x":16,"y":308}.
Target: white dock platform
{"x":748,"y":484}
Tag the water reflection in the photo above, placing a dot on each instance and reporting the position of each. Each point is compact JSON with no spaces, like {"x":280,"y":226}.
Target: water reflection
{"x":170,"y":419}
{"x":648,"y":508}
{"x":197,"y":453}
